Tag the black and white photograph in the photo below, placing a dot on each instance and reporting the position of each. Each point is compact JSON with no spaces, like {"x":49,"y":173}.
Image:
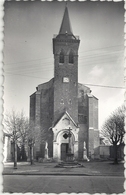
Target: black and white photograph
{"x":63,"y":116}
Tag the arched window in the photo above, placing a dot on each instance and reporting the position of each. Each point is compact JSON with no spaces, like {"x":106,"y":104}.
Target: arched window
{"x":71,"y":57}
{"x":61,"y":57}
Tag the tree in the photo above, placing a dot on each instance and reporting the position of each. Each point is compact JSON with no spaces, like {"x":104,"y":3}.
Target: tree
{"x":113,"y":130}
{"x":16,"y":125}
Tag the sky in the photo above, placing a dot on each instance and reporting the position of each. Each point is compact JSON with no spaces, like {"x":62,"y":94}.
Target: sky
{"x":29,"y":27}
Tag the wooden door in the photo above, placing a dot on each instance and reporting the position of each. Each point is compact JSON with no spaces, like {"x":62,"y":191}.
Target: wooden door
{"x":64,"y":148}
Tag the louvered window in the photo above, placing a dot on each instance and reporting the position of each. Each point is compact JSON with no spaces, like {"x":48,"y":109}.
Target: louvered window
{"x":71,"y":58}
{"x":61,"y":57}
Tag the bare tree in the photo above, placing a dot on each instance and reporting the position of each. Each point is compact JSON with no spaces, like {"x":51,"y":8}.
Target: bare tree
{"x":113,"y":130}
{"x":16,"y":125}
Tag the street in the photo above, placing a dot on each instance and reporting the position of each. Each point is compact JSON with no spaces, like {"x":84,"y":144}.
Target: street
{"x":59,"y":184}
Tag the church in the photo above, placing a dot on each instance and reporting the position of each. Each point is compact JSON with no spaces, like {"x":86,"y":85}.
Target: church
{"x":63,"y":112}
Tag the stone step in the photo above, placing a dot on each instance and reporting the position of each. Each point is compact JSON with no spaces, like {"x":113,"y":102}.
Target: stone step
{"x":71,"y":164}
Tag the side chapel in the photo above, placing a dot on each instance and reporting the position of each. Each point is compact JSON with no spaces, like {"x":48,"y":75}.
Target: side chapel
{"x":63,"y":107}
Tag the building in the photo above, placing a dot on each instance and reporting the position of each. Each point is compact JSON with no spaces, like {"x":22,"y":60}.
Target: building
{"x":107,"y":150}
{"x":8,"y":148}
{"x":7,"y":155}
{"x":63,"y":112}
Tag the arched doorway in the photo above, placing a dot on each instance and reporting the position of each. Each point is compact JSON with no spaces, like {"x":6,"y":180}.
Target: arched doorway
{"x":65,"y":142}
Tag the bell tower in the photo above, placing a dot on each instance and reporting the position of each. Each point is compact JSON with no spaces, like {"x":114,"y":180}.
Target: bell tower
{"x":65,"y":50}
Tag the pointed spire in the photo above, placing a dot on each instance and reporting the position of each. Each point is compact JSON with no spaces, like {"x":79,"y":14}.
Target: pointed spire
{"x":66,"y":26}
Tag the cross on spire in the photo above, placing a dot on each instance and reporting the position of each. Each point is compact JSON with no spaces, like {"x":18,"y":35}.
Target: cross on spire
{"x":66,"y":3}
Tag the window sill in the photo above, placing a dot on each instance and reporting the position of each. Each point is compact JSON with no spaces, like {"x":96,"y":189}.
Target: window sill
{"x":70,"y":64}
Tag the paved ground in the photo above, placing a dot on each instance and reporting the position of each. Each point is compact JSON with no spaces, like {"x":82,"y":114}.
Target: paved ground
{"x":59,"y":184}
{"x":94,"y":177}
{"x":90,"y":168}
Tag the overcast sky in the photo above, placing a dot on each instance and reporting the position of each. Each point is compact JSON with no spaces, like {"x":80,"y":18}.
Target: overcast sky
{"x":28,"y":57}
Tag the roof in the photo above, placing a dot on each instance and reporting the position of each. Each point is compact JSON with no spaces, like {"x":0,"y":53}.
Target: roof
{"x":65,"y":25}
{"x":68,"y":117}
{"x":84,"y":87}
{"x":46,"y":85}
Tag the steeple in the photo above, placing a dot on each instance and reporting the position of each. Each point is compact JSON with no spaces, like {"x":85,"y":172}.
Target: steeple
{"x":65,"y":25}
{"x":65,"y":50}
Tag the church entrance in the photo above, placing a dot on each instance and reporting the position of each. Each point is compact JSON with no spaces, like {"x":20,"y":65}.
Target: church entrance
{"x":65,"y":141}
{"x":64,"y":150}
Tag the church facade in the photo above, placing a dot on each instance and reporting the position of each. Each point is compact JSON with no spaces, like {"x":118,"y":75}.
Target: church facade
{"x":63,"y":112}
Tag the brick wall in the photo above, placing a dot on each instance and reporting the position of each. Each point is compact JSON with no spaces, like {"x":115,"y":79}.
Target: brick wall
{"x":82,"y":137}
{"x":95,"y":112}
{"x":41,"y":114}
{"x":65,"y":94}
{"x":96,"y":144}
{"x":82,"y":118}
{"x":93,"y":127}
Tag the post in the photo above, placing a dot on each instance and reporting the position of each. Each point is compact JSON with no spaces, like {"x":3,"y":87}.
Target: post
{"x":31,"y":155}
{"x":31,"y":150}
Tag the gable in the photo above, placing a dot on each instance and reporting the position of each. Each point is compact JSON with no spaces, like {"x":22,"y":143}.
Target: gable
{"x":65,"y":121}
